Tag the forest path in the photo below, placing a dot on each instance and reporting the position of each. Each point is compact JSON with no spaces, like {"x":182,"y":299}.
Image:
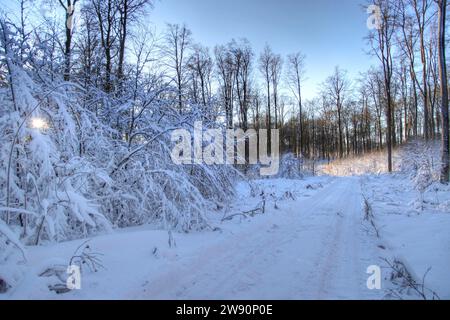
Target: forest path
{"x":315,"y":248}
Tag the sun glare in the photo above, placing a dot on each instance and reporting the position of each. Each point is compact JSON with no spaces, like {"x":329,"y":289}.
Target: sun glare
{"x":39,"y":123}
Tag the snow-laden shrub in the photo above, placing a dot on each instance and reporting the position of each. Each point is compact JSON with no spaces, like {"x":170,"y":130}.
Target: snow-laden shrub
{"x":40,"y":171}
{"x":423,"y":177}
{"x":80,"y":164}
{"x":420,"y":163}
{"x":12,"y":257}
{"x":147,"y":187}
{"x":421,"y":158}
{"x":290,"y":167}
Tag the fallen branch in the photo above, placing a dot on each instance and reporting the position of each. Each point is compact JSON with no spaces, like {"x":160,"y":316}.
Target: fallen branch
{"x":245,"y":214}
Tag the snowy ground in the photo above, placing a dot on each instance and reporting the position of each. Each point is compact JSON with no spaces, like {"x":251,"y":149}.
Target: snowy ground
{"x":311,"y":243}
{"x":413,"y":230}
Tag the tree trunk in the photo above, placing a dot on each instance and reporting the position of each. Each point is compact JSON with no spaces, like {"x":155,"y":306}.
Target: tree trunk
{"x":444,"y":92}
{"x":70,"y":10}
{"x":123,"y":40}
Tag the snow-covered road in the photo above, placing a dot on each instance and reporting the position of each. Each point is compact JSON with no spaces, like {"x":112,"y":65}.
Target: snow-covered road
{"x":315,"y":249}
{"x":311,"y":243}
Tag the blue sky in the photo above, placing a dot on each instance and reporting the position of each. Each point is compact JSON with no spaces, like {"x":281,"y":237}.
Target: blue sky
{"x":329,"y":32}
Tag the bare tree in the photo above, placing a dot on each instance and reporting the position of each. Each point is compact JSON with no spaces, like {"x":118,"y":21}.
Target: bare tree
{"x":275,"y":73}
{"x":143,"y":49}
{"x":381,"y":41}
{"x":226,"y":75}
{"x":337,"y":87}
{"x":243,"y":59}
{"x":178,"y":42}
{"x":128,"y":11}
{"x":433,"y":79}
{"x":421,"y":8}
{"x":89,"y":44}
{"x":265,"y":62}
{"x":106,"y":12}
{"x":201,"y":65}
{"x":407,"y":45}
{"x":295,"y":78}
{"x":375,"y":84}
